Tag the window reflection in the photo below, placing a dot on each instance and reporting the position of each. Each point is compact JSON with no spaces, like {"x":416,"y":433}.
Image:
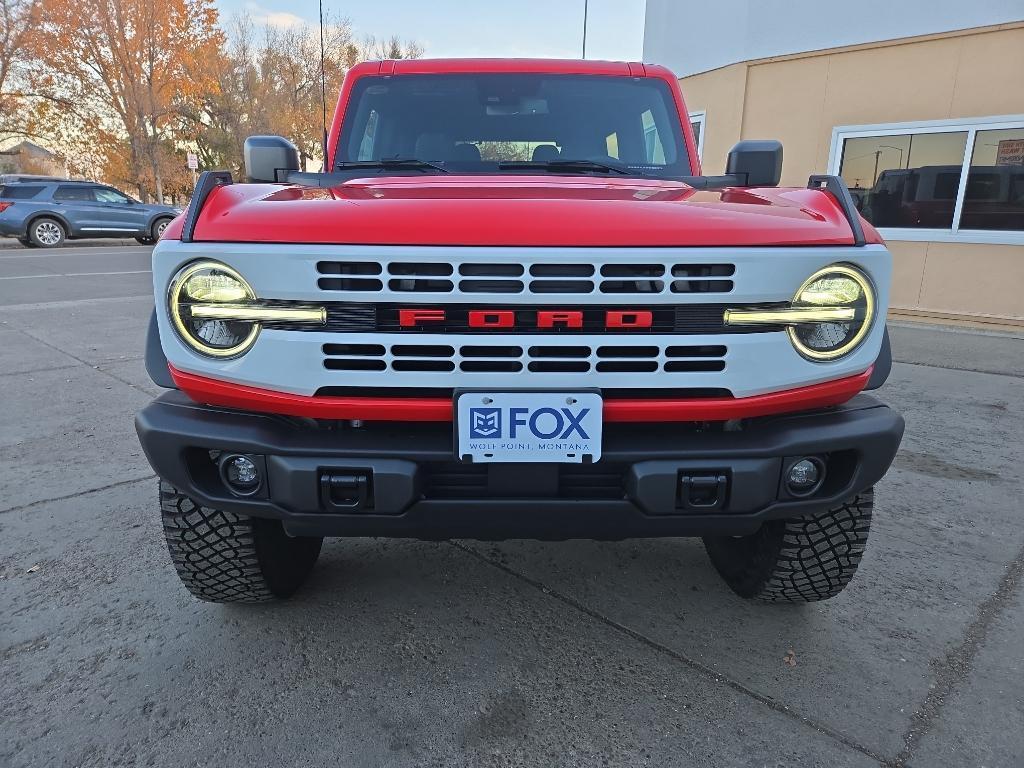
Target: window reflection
{"x":994,"y":198}
{"x":908,"y":181}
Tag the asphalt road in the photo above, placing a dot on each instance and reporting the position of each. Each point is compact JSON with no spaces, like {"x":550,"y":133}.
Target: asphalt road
{"x":403,"y":653}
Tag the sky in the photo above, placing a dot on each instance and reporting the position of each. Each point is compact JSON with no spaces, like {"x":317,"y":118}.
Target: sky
{"x":527,"y":28}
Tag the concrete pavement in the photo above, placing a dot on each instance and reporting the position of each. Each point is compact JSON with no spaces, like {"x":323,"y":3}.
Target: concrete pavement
{"x":521,"y":653}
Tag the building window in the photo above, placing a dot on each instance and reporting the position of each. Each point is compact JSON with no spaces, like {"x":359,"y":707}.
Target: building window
{"x":697,"y":120}
{"x":949,"y":180}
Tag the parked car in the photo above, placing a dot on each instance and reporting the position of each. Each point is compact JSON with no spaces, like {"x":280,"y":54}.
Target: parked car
{"x":43,"y":214}
{"x":513,"y":309}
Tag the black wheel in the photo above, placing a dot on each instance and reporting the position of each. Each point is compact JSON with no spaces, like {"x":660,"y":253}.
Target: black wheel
{"x":799,"y":559}
{"x":145,"y":240}
{"x":222,"y":557}
{"x":46,"y":233}
{"x":26,"y":242}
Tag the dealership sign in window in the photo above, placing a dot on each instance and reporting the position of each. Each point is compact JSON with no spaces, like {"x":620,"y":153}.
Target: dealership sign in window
{"x":1010,"y":152}
{"x":951,"y":180}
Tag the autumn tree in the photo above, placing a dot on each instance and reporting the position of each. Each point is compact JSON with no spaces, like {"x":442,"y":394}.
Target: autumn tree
{"x":268,"y":81}
{"x":18,"y":26}
{"x":123,"y":69}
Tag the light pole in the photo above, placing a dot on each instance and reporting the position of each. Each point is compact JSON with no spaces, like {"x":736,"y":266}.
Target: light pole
{"x":898,"y":149}
{"x":585,"y":3}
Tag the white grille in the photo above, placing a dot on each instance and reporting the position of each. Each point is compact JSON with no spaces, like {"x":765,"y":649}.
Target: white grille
{"x":524,"y":280}
{"x":544,"y":356}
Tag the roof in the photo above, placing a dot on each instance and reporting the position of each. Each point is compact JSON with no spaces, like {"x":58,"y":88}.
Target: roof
{"x":545,"y":66}
{"x":27,"y":146}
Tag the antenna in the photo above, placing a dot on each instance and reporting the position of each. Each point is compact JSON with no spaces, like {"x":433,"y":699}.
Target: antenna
{"x":323,"y":81}
{"x":585,"y":3}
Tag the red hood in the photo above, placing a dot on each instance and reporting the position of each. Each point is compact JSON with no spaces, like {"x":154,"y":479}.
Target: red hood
{"x":520,"y":211}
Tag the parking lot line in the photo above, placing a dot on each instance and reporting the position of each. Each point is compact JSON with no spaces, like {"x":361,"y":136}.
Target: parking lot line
{"x":78,"y":274}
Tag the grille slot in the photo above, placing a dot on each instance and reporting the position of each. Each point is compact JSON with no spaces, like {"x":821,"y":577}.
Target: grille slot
{"x":707,"y":350}
{"x":491,"y":366}
{"x":347,"y":350}
{"x":356,"y":364}
{"x":559,"y":366}
{"x":491,"y":351}
{"x":420,"y":269}
{"x":421,"y":285}
{"x":443,"y":366}
{"x":491,"y":286}
{"x":627,"y":351}
{"x":561,"y":286}
{"x":349,"y":284}
{"x":693,"y":366}
{"x":422,"y":350}
{"x":559,"y":351}
{"x":561,"y":270}
{"x":491,"y":270}
{"x":349,"y":268}
{"x":628,"y":366}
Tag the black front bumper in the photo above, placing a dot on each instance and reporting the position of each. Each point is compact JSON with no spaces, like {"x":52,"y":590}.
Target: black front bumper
{"x":386,"y":479}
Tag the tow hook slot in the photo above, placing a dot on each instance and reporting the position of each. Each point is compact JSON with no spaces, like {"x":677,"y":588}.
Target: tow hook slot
{"x":702,"y":492}
{"x":346,"y":491}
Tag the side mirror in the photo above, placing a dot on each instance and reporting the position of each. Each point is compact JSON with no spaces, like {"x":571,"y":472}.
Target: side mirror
{"x":760,"y":161}
{"x":270,"y":158}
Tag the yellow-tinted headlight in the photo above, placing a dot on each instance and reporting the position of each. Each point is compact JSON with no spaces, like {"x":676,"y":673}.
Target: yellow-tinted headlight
{"x":837,"y":286}
{"x":205,"y":283}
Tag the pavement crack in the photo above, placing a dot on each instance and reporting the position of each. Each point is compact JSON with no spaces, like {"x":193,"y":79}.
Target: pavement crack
{"x":87,"y":364}
{"x":952,"y":668}
{"x":664,"y":650}
{"x":88,"y":492}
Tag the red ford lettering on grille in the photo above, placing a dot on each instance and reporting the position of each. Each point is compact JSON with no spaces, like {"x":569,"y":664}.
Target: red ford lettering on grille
{"x":549,"y":319}
{"x":410,"y":318}
{"x":509,"y":319}
{"x":486,"y":318}
{"x":628,"y":319}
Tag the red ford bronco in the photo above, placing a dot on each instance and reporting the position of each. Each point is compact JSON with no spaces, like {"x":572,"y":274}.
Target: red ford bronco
{"x":512,"y":307}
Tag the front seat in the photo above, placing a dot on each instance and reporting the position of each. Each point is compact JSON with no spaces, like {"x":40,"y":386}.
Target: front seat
{"x":466,"y":153}
{"x":434,"y":147}
{"x":545,"y":152}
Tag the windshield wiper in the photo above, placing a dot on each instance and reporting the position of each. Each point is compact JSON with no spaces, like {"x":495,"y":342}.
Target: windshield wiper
{"x":395,"y":163}
{"x":568,"y":165}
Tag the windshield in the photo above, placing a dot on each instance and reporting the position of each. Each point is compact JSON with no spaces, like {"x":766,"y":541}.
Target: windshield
{"x":508,"y":123}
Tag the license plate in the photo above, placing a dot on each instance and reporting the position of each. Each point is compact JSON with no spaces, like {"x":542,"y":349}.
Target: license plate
{"x":562,"y":427}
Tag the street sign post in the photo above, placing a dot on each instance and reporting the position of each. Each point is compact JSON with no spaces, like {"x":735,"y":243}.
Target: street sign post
{"x":192,"y":160}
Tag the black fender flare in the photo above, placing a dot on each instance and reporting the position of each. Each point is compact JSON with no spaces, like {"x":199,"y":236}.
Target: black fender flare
{"x":156,"y":360}
{"x":883,"y":364}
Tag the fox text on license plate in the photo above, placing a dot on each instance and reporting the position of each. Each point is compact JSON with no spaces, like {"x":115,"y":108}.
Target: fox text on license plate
{"x":528,"y":426}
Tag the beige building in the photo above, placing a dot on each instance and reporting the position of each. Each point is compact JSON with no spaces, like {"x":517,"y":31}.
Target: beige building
{"x":926,"y":129}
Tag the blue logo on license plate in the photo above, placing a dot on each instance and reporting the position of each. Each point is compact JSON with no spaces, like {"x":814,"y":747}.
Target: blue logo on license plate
{"x":484,"y":422}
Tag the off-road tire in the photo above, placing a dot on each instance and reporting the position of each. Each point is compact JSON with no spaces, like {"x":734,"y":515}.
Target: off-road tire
{"x":798,"y":559}
{"x":223,"y":557}
{"x":55,"y":234}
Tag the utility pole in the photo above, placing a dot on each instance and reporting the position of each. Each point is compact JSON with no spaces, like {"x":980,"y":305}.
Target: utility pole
{"x":585,"y":3}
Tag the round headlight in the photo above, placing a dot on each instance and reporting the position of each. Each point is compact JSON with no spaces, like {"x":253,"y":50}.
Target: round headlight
{"x":211,"y":284}
{"x":835,"y":286}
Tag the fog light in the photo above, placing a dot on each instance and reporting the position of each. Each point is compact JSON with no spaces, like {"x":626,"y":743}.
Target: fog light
{"x":241,"y":475}
{"x":804,"y":476}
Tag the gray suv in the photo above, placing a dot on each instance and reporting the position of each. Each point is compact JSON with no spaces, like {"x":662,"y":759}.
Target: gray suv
{"x":43,"y":214}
